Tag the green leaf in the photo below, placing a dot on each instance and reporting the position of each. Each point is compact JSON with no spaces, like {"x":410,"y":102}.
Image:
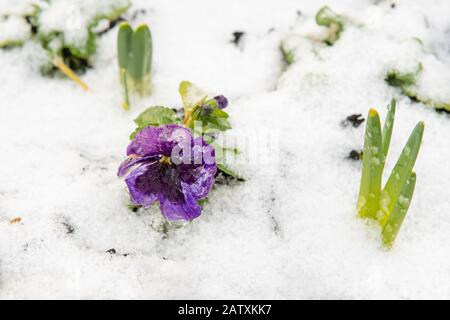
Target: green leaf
{"x":211,"y":123}
{"x":140,"y":62}
{"x":372,"y":168}
{"x":10,"y":43}
{"x":23,"y":19}
{"x":191,"y":95}
{"x":212,"y":118}
{"x":222,"y":154}
{"x":124,"y":37}
{"x":116,"y":11}
{"x":219,"y":113}
{"x":404,"y":80}
{"x":74,"y":54}
{"x":328,"y":18}
{"x":155,"y":116}
{"x":287,"y":55}
{"x":388,"y":127}
{"x":390,"y":205}
{"x":440,"y":105}
{"x":85,"y":51}
{"x":395,"y":220}
{"x":228,"y":171}
{"x":402,"y":170}
{"x":202,"y":202}
{"x":134,"y":51}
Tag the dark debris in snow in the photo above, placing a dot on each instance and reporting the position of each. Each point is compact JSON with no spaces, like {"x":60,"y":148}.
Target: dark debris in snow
{"x":355,"y":155}
{"x":237,"y":37}
{"x":355,"y":120}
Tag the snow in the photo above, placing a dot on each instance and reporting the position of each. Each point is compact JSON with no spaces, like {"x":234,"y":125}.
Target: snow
{"x":14,"y":28}
{"x":74,"y":18}
{"x":290,"y":230}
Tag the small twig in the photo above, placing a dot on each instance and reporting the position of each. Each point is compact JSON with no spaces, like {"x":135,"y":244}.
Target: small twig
{"x":59,"y":63}
{"x":15,"y":220}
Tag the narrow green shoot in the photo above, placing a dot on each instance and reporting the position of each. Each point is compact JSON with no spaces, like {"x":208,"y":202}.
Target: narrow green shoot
{"x":393,"y":224}
{"x":388,"y":127}
{"x":372,"y":168}
{"x":390,"y":205}
{"x":401,"y":172}
{"x":134,"y":51}
{"x":287,"y":55}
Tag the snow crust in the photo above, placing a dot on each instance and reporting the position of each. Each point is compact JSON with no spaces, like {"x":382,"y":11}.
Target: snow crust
{"x":13,"y":28}
{"x":289,"y":231}
{"x":74,"y":17}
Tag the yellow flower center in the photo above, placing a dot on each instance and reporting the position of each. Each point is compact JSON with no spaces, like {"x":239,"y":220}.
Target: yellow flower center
{"x":165,"y":160}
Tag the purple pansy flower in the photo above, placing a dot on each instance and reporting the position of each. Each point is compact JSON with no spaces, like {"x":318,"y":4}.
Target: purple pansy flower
{"x":167,"y":164}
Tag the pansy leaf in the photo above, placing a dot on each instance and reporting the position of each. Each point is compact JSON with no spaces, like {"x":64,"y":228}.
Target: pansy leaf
{"x":212,"y":118}
{"x":211,"y":123}
{"x":230,"y":172}
{"x":155,"y":116}
{"x":222,"y":154}
{"x":191,"y":95}
{"x":219,"y":113}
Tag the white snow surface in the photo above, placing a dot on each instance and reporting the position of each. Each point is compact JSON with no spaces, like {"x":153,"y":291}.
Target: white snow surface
{"x":290,"y":231}
{"x":74,"y":17}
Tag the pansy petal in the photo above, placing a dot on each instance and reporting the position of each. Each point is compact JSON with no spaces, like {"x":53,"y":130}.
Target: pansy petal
{"x":185,"y":210}
{"x":130,"y":162}
{"x":201,"y":180}
{"x":138,"y":194}
{"x":199,"y":174}
{"x":158,"y":140}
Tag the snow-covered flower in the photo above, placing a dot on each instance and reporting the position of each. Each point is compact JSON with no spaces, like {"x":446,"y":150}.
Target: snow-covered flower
{"x":166,"y":164}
